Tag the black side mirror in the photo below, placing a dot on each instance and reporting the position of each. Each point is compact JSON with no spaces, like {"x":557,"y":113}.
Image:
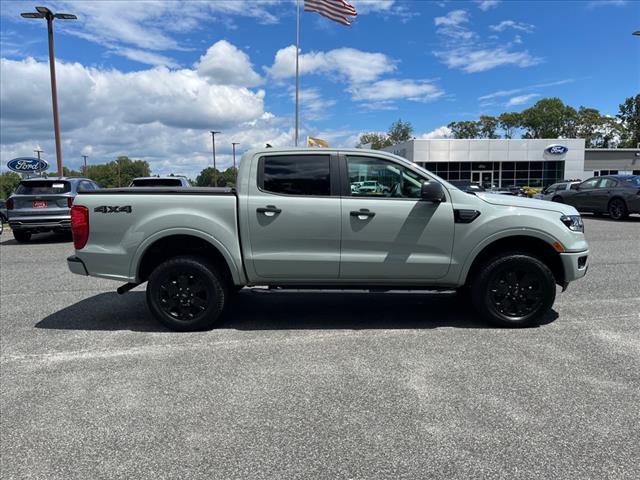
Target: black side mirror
{"x":432,"y":191}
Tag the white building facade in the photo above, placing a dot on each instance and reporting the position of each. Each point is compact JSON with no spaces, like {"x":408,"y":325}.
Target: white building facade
{"x":500,"y":162}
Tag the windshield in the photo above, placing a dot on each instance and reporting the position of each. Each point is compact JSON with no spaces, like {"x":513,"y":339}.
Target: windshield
{"x":43,"y":187}
{"x":633,"y":180}
{"x":156,"y":182}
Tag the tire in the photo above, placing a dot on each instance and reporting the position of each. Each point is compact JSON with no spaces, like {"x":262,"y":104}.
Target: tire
{"x":617,"y":209}
{"x":557,"y":199}
{"x":514,"y":290}
{"x":1,"y":226}
{"x":187,"y":293}
{"x":22,"y":236}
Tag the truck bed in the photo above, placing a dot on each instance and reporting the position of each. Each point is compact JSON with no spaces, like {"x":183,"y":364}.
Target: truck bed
{"x":163,"y":191}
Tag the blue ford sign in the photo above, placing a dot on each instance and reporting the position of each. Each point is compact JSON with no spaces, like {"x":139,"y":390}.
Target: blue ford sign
{"x":556,"y":149}
{"x":27,"y":165}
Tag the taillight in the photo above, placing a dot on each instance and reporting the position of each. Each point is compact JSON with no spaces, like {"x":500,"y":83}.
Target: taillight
{"x":69,"y":202}
{"x":9,"y":204}
{"x":79,"y":225}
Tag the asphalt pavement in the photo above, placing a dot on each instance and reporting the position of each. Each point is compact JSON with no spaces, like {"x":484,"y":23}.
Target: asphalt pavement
{"x":318,"y":385}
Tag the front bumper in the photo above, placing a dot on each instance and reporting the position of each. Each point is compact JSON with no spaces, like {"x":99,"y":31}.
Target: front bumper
{"x":575,"y":265}
{"x":76,"y":266}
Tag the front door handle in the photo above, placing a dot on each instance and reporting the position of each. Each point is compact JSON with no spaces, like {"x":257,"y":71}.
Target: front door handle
{"x":269,"y":210}
{"x":362,"y":214}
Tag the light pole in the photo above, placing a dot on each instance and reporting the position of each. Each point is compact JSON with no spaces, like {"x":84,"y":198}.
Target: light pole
{"x":637,"y":33}
{"x":84,"y":157}
{"x":235,"y":170}
{"x":44,"y":12}
{"x":213,"y":146}
{"x":38,"y":151}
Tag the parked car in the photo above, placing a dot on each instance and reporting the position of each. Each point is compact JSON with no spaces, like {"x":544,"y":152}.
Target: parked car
{"x":177,"y":181}
{"x":3,"y":215}
{"x":44,"y":205}
{"x":549,"y":192}
{"x":370,"y":186}
{"x":616,"y":195}
{"x":293,"y":222}
{"x":467,"y":186}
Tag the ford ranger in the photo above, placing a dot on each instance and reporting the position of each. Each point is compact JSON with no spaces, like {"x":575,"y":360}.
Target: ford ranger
{"x":294,"y":221}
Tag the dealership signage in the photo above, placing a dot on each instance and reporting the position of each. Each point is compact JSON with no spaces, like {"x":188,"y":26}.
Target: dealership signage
{"x":27,"y":165}
{"x":556,"y":149}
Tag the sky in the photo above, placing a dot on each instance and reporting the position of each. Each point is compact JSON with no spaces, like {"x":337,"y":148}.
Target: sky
{"x":150,"y":79}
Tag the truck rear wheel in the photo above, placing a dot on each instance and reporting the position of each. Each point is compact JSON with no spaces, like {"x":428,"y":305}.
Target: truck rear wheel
{"x":514,"y":290}
{"x":187,"y":293}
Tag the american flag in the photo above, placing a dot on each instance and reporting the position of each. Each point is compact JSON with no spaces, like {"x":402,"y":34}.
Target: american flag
{"x":336,"y":10}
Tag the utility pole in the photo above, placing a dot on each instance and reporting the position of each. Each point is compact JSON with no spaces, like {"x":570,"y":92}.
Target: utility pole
{"x":84,"y":157}
{"x":213,"y":146}
{"x":235,"y":170}
{"x":49,"y":16}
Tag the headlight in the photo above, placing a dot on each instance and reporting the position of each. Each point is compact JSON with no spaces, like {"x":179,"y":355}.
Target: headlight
{"x":573,"y":222}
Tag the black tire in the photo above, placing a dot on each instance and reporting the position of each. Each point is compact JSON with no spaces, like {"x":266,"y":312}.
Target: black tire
{"x":514,"y":290}
{"x":187,"y":293}
{"x":557,"y":199}
{"x":617,"y":209}
{"x":22,"y":236}
{"x":1,"y":226}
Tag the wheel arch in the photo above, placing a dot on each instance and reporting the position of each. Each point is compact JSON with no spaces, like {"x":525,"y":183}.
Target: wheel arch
{"x":522,"y":243}
{"x":171,"y":243}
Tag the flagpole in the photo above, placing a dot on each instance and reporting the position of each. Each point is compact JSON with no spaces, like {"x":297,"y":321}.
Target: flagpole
{"x":297,"y":70}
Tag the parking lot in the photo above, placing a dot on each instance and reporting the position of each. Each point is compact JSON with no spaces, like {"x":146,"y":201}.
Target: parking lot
{"x":319,"y":385}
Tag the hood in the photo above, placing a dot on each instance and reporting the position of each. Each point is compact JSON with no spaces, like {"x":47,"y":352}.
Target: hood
{"x":524,"y":202}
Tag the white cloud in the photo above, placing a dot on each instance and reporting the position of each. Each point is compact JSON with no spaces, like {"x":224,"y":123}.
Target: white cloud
{"x":453,"y":26}
{"x":227,"y":65}
{"x":470,"y":60}
{"x":521,"y":99}
{"x":440,"y":132}
{"x":606,"y":3}
{"x":507,"y":93}
{"x":453,"y":18}
{"x":396,"y":89}
{"x":354,"y":65}
{"x":521,"y":26}
{"x":313,"y":105}
{"x":485,"y":5}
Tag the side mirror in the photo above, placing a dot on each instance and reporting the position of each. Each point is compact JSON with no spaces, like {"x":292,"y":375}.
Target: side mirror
{"x":432,"y":191}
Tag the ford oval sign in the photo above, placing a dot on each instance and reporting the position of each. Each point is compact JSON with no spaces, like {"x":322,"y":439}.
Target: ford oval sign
{"x":27,"y":165}
{"x":556,"y":149}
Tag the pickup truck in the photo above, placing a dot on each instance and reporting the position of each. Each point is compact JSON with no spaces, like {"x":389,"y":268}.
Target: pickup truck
{"x":293,"y":222}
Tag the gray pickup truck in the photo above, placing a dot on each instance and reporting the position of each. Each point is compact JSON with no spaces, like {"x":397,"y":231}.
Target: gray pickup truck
{"x":294,"y":221}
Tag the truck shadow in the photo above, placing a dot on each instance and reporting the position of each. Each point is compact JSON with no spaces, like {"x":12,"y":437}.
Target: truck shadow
{"x":278,"y":310}
{"x":36,"y":239}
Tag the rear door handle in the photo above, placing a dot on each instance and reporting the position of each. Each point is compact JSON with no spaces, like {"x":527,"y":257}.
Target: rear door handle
{"x":362,"y":214}
{"x":269,"y":210}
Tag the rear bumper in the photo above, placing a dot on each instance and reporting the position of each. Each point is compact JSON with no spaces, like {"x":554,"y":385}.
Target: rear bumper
{"x":40,"y":223}
{"x":575,"y":265}
{"x":76,"y":266}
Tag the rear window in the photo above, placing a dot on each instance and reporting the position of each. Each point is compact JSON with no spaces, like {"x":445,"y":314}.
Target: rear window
{"x":296,"y":174}
{"x":157,"y":182}
{"x":43,"y":187}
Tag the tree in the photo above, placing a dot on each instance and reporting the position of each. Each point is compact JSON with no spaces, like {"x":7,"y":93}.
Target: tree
{"x":378,"y":141}
{"x":226,"y":178}
{"x":465,"y":129}
{"x":549,"y":118}
{"x":118,"y":173}
{"x":509,"y":122}
{"x":400,"y":132}
{"x":9,"y":181}
{"x":488,"y":125}
{"x":629,"y":116}
{"x":597,"y":130}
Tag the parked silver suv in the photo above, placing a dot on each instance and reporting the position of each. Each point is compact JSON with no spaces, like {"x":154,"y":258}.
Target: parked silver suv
{"x":44,"y":205}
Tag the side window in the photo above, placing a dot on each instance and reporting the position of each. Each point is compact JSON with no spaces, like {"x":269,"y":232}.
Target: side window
{"x":84,"y":186}
{"x":575,"y":186}
{"x":295,"y":174}
{"x":607,"y":183}
{"x":588,"y":184}
{"x":375,"y":177}
{"x":552,"y":188}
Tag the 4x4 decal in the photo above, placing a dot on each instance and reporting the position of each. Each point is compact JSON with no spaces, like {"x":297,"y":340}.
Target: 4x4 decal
{"x":113,"y":209}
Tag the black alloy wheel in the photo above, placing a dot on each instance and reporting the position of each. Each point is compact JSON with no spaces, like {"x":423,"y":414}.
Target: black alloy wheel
{"x":187,"y":293}
{"x":618,"y":209}
{"x":514,"y":290}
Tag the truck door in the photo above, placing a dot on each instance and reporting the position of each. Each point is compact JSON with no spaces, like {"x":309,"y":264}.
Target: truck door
{"x":294,"y":218}
{"x":583,"y":198}
{"x":391,"y":234}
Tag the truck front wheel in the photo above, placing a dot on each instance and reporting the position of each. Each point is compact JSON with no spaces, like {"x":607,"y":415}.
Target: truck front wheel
{"x":187,"y":293}
{"x":514,"y":290}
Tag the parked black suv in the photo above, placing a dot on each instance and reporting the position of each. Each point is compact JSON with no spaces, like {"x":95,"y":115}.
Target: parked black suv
{"x":44,"y":205}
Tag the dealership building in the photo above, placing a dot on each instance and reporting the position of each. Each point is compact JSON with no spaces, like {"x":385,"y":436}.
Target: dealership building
{"x":520,"y":162}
